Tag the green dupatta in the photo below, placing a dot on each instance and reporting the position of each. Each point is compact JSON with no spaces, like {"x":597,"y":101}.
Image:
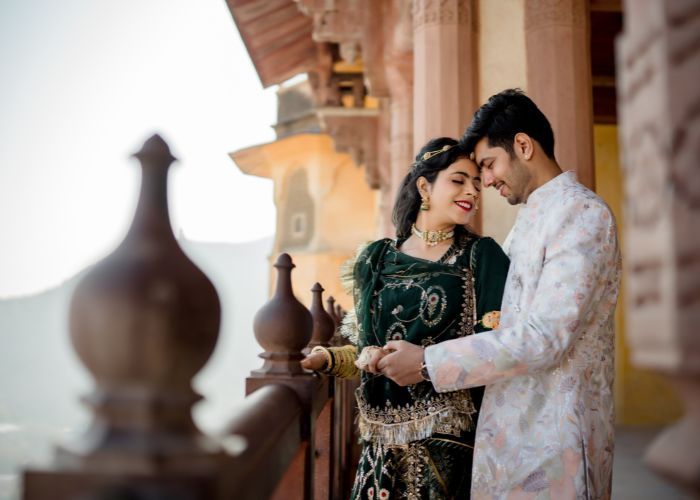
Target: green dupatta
{"x":399,"y":297}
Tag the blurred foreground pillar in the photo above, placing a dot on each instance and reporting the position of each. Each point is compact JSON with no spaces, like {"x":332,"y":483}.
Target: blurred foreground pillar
{"x":144,"y":321}
{"x":658,"y":62}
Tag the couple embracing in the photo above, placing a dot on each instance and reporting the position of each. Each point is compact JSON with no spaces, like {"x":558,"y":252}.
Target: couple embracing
{"x":484,"y":373}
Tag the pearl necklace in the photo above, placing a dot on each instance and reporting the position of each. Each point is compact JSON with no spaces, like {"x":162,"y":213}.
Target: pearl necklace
{"x":432,"y":238}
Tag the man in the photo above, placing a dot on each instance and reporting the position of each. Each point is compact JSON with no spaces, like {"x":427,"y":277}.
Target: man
{"x":546,"y":424}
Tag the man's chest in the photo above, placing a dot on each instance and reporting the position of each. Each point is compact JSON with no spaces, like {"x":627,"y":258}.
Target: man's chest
{"x":528,"y":254}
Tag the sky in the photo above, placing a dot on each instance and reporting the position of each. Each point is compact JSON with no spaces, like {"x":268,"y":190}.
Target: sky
{"x":83,"y":83}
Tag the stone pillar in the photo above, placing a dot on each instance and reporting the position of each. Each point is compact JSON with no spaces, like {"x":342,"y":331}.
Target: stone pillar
{"x":444,"y":68}
{"x":399,"y":75}
{"x":658,"y":64}
{"x":557,"y":36}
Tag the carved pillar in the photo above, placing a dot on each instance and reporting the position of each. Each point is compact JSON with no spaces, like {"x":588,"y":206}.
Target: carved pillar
{"x":444,"y":68}
{"x":399,"y":76}
{"x":388,"y":56}
{"x":658,"y":63}
{"x":559,"y":78}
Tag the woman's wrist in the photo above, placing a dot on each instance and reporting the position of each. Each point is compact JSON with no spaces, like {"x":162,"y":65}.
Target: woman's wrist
{"x":329,"y":359}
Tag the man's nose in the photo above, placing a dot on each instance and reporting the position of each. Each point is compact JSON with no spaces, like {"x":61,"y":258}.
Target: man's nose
{"x":487,"y":178}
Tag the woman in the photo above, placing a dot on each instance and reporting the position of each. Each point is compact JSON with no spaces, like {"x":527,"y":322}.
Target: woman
{"x":437,"y":281}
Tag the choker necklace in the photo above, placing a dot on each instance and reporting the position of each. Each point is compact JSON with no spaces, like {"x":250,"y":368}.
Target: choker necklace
{"x":432,"y":238}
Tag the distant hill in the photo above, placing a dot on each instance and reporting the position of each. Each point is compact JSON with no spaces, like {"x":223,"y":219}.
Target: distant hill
{"x":41,"y":379}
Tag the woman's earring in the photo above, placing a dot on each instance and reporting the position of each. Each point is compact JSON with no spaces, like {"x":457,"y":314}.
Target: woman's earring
{"x":425,"y":204}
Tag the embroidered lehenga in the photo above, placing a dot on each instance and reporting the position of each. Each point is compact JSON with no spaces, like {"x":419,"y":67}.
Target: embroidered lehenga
{"x":417,"y":443}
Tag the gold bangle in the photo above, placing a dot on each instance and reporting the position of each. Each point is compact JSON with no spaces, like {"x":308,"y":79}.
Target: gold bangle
{"x":329,"y":359}
{"x":344,"y":361}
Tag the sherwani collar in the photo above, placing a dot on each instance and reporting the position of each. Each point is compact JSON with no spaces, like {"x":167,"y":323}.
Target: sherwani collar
{"x":550,"y":188}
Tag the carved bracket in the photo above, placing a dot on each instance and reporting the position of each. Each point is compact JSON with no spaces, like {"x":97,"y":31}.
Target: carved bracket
{"x":338,"y":21}
{"x":354,"y":131}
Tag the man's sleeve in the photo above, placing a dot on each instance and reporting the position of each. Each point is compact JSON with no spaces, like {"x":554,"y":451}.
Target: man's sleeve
{"x":578,"y":265}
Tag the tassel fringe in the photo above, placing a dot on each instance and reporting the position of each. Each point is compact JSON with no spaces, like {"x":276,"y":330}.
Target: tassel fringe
{"x":448,"y":421}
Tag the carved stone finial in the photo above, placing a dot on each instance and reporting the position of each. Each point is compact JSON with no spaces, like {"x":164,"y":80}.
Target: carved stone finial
{"x":339,"y":312}
{"x":154,"y":149}
{"x":324,"y":325}
{"x":330,"y":309}
{"x":144,"y":321}
{"x":282,"y":327}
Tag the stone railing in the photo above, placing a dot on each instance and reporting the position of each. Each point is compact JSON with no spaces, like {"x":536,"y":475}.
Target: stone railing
{"x":144,"y":321}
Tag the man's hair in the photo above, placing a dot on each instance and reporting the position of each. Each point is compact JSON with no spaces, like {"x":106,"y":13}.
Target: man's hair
{"x":505,"y":114}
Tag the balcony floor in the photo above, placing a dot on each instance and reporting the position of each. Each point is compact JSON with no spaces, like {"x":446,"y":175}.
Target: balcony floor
{"x":632,"y":480}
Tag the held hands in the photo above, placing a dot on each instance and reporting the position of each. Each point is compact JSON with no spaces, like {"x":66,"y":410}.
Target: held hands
{"x":369,"y":357}
{"x":399,"y":360}
{"x":403,"y":364}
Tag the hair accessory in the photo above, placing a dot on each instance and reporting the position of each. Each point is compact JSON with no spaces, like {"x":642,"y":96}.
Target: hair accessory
{"x":432,"y":238}
{"x":430,"y":154}
{"x":425,"y":204}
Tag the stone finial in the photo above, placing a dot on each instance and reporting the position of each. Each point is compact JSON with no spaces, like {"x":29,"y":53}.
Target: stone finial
{"x":323,"y":323}
{"x":144,"y":321}
{"x":330,"y":308}
{"x":282,"y":327}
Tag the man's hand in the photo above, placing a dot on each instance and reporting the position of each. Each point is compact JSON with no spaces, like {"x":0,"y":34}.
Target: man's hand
{"x":403,"y":364}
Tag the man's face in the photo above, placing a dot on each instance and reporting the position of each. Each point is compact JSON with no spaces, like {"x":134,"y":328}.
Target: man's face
{"x":509,"y":176}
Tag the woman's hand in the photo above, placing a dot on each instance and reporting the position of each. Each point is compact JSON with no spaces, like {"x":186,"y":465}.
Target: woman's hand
{"x":369,"y":358}
{"x":314,"y":361}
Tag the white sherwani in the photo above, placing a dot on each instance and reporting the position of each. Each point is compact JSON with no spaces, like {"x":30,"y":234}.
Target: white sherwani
{"x":545,"y":430}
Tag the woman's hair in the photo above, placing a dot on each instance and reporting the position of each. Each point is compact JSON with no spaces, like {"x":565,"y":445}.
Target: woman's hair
{"x":430,"y":161}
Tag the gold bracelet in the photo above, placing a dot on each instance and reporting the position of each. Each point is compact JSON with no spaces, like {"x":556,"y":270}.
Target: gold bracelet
{"x":329,"y":359}
{"x":344,"y":361}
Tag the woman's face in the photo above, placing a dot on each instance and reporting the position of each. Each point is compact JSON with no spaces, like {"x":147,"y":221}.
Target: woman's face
{"x":454,"y":194}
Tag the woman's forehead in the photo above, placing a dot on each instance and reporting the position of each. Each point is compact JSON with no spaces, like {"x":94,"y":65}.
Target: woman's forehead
{"x":465,"y":166}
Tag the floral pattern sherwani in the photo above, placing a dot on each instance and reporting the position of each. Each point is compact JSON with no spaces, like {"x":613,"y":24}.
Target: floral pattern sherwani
{"x":546,"y":424}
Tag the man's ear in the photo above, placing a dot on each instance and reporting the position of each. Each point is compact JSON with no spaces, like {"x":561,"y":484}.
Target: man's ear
{"x":524,"y":146}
